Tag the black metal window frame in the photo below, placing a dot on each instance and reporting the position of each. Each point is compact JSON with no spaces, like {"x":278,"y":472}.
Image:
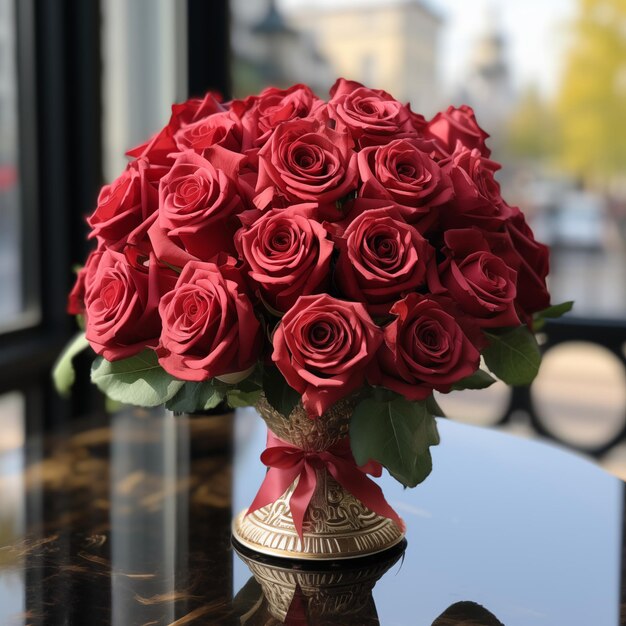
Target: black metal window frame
{"x":59,"y":73}
{"x":59,"y":130}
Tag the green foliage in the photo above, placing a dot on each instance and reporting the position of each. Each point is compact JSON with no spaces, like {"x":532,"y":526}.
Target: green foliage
{"x":592,"y":97}
{"x":513,"y":356}
{"x":278,"y":393}
{"x":397,"y":433}
{"x":193,"y":397}
{"x":63,"y":373}
{"x":247,"y":392}
{"x":478,"y":380}
{"x":138,"y":380}
{"x":552,"y":312}
{"x":532,"y":131}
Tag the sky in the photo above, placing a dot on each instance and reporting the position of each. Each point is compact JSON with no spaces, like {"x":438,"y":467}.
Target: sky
{"x":535,"y":31}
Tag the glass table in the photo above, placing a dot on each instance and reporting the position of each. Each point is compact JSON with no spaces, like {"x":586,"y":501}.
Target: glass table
{"x":125,"y":520}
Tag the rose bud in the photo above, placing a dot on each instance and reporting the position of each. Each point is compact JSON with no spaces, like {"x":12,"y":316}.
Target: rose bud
{"x":425,"y":348}
{"x":324,"y":348}
{"x":209,"y":326}
{"x":288,"y":254}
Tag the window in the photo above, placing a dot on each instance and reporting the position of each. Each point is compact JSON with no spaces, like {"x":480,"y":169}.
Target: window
{"x":17,"y":307}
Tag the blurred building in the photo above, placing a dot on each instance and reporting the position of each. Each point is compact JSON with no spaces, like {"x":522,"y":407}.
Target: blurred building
{"x":270,"y":51}
{"x":390,"y":44}
{"x":487,"y":86}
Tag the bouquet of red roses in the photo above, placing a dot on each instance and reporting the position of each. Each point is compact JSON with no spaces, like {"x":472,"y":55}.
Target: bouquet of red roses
{"x":311,"y":251}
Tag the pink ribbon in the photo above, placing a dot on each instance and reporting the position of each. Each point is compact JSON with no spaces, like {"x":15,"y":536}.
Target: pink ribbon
{"x":287,"y":462}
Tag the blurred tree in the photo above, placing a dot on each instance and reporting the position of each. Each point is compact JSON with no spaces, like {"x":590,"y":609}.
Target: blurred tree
{"x":591,"y":104}
{"x":532,"y":130}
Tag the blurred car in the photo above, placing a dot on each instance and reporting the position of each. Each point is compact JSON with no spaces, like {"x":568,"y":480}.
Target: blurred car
{"x":580,"y":221}
{"x":569,"y":218}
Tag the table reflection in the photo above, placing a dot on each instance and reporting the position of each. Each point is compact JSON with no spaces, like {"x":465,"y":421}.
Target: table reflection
{"x":127,"y":521}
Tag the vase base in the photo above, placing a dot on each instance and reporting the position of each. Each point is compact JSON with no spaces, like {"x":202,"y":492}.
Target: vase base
{"x":321,"y":542}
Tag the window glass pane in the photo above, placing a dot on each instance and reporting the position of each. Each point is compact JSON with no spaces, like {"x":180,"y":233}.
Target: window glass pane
{"x":547,"y":80}
{"x":11,"y":275}
{"x":11,"y":507}
{"x":144,"y":72}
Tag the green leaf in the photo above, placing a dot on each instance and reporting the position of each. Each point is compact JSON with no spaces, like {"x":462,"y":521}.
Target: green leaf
{"x":478,"y":380}
{"x":278,"y":392}
{"x":514,"y":356}
{"x":433,"y":407}
{"x":556,"y":310}
{"x":552,"y":312}
{"x":238,"y":398}
{"x":196,"y":397}
{"x":397,"y":433}
{"x":63,"y":373}
{"x":138,"y":380}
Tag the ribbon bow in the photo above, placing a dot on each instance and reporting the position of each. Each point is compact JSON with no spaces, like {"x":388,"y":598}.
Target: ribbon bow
{"x":287,"y":462}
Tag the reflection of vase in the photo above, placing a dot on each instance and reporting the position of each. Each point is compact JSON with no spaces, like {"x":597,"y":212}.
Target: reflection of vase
{"x":312,"y":594}
{"x":337,"y":525}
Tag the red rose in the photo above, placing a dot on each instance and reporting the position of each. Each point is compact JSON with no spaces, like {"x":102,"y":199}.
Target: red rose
{"x":403,"y":172}
{"x":381,"y":258}
{"x":425,"y":348}
{"x":306,"y":160}
{"x":209,"y":326}
{"x":288,"y":253}
{"x":261,"y":114}
{"x":125,"y":203}
{"x":480,"y":282}
{"x":221,"y":129}
{"x":160,"y":148}
{"x":418,"y":121}
{"x":477,"y":199}
{"x":121,"y":304}
{"x":372,"y":116}
{"x":324,"y":347}
{"x":532,"y":292}
{"x":453,"y":125}
{"x":76,"y":299}
{"x":198,"y":202}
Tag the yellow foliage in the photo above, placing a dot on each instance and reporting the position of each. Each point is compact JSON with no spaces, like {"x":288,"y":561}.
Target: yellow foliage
{"x":591,"y":104}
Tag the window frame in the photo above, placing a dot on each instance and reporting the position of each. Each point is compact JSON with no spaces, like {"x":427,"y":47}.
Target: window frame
{"x":59,"y":131}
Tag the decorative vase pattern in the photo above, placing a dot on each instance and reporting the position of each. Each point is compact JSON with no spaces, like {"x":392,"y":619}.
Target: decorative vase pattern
{"x":337,"y":525}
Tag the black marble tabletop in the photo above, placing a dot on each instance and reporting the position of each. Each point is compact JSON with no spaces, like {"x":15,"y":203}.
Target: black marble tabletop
{"x":125,"y":520}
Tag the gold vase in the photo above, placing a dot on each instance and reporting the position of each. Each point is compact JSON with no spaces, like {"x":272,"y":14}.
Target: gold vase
{"x":337,"y":525}
{"x":325,"y":596}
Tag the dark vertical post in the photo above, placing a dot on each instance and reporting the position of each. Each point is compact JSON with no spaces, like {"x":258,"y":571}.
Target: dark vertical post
{"x":68,"y":62}
{"x":208,"y":47}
